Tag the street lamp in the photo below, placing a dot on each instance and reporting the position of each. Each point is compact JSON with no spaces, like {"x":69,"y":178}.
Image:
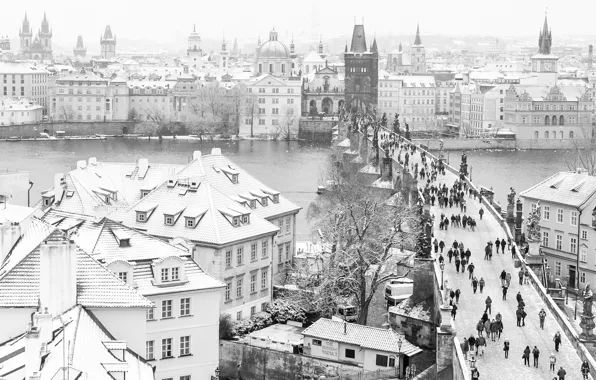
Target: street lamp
{"x":442,"y":265}
{"x":399,"y":343}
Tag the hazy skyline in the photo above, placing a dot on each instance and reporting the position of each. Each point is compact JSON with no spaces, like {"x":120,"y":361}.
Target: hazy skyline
{"x":168,"y":22}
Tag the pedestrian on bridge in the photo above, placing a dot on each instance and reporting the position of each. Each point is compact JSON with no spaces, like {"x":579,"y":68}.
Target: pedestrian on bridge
{"x":471,"y":341}
{"x":585,"y":369}
{"x":526,"y":356}
{"x":542,"y":316}
{"x":561,"y":373}
{"x":480,"y":344}
{"x":441,"y":245}
{"x":505,"y":292}
{"x":488,"y":303}
{"x":535,"y":354}
{"x":557,"y":340}
{"x":552,"y":360}
{"x":480,"y":327}
{"x":463,"y":263}
{"x":475,"y":374}
{"x":457,"y":263}
{"x":471,"y":270}
{"x":503,"y":276}
{"x":441,"y":259}
{"x":474,"y":284}
{"x":450,"y":254}
{"x":508,"y":279}
{"x":497,"y":245}
{"x":464,"y":345}
{"x":481,"y":212}
{"x":503,"y":244}
{"x":521,"y":275}
{"x":506,"y":349}
{"x":481,"y":284}
{"x":518,"y":315}
{"x":457,"y":293}
{"x":494,"y":329}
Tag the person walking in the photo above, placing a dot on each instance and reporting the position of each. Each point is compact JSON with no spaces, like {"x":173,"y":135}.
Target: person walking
{"x":480,"y":328}
{"x":441,"y":258}
{"x":474,"y":284}
{"x":506,"y":348}
{"x":453,"y":311}
{"x":457,"y":294}
{"x":503,"y":244}
{"x":458,"y":262}
{"x":488,"y":303}
{"x":475,"y":374}
{"x":557,"y":340}
{"x":542,"y":316}
{"x":513,"y":250}
{"x":497,"y":245}
{"x":505,"y":293}
{"x":481,"y":343}
{"x":484,"y":317}
{"x":526,"y":276}
{"x":518,"y":315}
{"x":436,"y":245}
{"x":553,"y":361}
{"x":508,"y":279}
{"x":521,"y":276}
{"x":441,"y":245}
{"x":481,"y":284}
{"x":535,"y":354}
{"x":503,"y":277}
{"x":561,"y":373}
{"x":471,"y":270}
{"x":450,"y":254}
{"x":585,"y":370}
{"x":526,"y":356}
{"x":523,"y":314}
{"x":465,"y":348}
{"x":481,"y":212}
{"x":471,"y":341}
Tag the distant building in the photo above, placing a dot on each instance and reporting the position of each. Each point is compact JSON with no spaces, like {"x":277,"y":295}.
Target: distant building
{"x":40,"y":47}
{"x":17,"y":111}
{"x":566,"y":205}
{"x":107,"y":43}
{"x":323,"y":91}
{"x":418,"y":53}
{"x":312,"y":62}
{"x":21,"y":79}
{"x":361,"y":72}
{"x":4,"y":43}
{"x":81,"y":96}
{"x":544,"y":64}
{"x":80,"y":51}
{"x":151,"y":100}
{"x":193,"y":50}
{"x":224,"y":57}
{"x":273,"y":58}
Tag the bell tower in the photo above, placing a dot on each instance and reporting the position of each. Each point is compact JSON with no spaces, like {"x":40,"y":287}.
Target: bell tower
{"x":418,"y":54}
{"x":224,"y":56}
{"x":361,"y":73}
{"x":544,"y":63}
{"x":45,"y":37}
{"x":26,"y":36}
{"x":108,"y":44}
{"x":193,"y":51}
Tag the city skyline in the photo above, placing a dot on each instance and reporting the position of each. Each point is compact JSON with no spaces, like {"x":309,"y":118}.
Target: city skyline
{"x":134,"y":21}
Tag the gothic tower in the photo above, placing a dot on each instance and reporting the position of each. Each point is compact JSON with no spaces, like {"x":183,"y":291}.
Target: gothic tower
{"x":224,"y":56}
{"x":544,"y":64}
{"x":26,"y":35}
{"x":45,"y":37}
{"x":80,"y":51}
{"x":361,"y":73}
{"x":193,"y":51}
{"x":418,"y":55}
{"x":108,"y":44}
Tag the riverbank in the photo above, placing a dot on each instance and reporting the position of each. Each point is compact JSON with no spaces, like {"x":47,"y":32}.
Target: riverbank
{"x":151,"y":138}
{"x":495,"y":144}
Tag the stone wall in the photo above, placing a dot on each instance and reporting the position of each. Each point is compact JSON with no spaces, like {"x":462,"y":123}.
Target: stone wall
{"x":484,"y":144}
{"x":315,"y":130}
{"x":461,"y":370}
{"x":70,"y":129}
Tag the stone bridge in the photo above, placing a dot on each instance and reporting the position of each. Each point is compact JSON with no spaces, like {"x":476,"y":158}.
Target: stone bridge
{"x":354,"y":150}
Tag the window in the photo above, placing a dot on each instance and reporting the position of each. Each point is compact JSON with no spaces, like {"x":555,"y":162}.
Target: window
{"x":261,"y":121}
{"x":151,"y":314}
{"x":123,"y":276}
{"x":288,"y":224}
{"x":317,"y":342}
{"x":264,"y":306}
{"x":240,"y":256}
{"x":582,"y":277}
{"x":239,"y":315}
{"x":584,"y":235}
{"x":545,"y":238}
{"x":185,"y":377}
{"x":288,"y":255}
{"x":583,"y":254}
{"x":573,"y":245}
{"x":546,"y":213}
{"x":559,"y":242}
{"x":228,"y":259}
{"x":190,"y":223}
{"x":253,"y":310}
{"x":557,"y":268}
{"x":166,"y":309}
{"x":184,"y":345}
{"x":150,"y":350}
{"x":280,"y":252}
{"x":239,"y":283}
{"x":382,"y":360}
{"x":253,"y":252}
{"x":141,"y":217}
{"x":166,"y":348}
{"x":264,"y":278}
{"x":184,"y":306}
{"x":570,"y":134}
{"x":175,"y":274}
{"x":165,"y":274}
{"x":559,"y":215}
{"x":574,"y":218}
{"x":350,"y":354}
{"x":253,"y":283}
{"x":228,"y":291}
{"x":290,"y":101}
{"x":264,"y":249}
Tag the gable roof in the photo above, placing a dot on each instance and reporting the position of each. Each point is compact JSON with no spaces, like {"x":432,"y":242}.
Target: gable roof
{"x":364,"y":336}
{"x":567,"y":188}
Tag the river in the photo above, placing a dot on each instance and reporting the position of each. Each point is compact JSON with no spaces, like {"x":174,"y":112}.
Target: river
{"x":293,"y":168}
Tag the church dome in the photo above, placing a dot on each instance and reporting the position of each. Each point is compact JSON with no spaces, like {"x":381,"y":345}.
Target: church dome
{"x":274,"y":48}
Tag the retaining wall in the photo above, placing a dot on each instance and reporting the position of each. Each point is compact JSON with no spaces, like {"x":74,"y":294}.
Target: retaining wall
{"x":485,"y":144}
{"x":70,"y":129}
{"x":316,"y":130}
{"x":461,"y":370}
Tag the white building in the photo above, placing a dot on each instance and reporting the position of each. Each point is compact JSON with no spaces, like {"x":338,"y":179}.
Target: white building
{"x":21,"y":79}
{"x":18,"y":111}
{"x":273,"y":106}
{"x":82,"y":96}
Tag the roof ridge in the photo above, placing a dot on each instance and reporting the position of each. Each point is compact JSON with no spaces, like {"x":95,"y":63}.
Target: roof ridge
{"x":213,"y":211}
{"x":538,"y":184}
{"x":72,"y":347}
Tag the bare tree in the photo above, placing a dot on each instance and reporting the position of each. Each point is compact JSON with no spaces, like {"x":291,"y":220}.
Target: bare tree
{"x":364,"y":233}
{"x":251,"y":109}
{"x":583,"y":151}
{"x":157,"y":120}
{"x":64,"y":113}
{"x":285,"y":124}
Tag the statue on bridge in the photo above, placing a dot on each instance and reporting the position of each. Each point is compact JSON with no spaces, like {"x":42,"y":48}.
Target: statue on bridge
{"x":588,"y":300}
{"x":511,"y":196}
{"x":464,"y":158}
{"x":384,"y":120}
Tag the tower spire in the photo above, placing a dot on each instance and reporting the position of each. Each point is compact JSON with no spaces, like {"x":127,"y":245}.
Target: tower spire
{"x":418,"y":41}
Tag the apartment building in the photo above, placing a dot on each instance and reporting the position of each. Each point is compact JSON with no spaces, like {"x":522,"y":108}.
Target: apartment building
{"x":566,"y":203}
{"x":151,"y":100}
{"x":82,"y":96}
{"x":15,"y":111}
{"x":20,"y":79}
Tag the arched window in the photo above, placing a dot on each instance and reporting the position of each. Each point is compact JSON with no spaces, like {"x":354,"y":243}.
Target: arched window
{"x":536,"y":135}
{"x":546,"y":120}
{"x":554,"y":119}
{"x":561,"y":135}
{"x":546,"y":134}
{"x":554,"y":134}
{"x":561,"y":120}
{"x":570,"y":134}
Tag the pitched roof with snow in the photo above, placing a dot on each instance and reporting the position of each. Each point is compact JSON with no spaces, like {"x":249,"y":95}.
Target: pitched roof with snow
{"x":567,"y":188}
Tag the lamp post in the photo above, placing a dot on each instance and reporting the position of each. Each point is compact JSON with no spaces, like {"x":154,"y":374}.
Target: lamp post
{"x":442,"y":265}
{"x":399,"y":343}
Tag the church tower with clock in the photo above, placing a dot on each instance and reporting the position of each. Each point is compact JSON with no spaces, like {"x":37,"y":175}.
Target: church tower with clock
{"x":361,"y":73}
{"x":544,"y":64}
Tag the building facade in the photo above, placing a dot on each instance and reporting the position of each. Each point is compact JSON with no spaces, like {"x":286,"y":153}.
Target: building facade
{"x":15,"y":111}
{"x":361,"y":73}
{"x":566,"y":204}
{"x":38,"y":47}
{"x":20,"y":79}
{"x":107,"y":44}
{"x":322,"y":92}
{"x":151,"y":101}
{"x":81,"y":97}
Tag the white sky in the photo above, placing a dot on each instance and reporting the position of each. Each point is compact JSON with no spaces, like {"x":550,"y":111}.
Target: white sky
{"x":172,"y":21}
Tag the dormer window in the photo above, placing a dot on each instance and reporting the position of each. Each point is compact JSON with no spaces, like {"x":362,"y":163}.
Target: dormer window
{"x":175,"y":274}
{"x":245,"y":219}
{"x":264,"y":201}
{"x":165,"y":274}
{"x":234,"y":178}
{"x":47,"y":201}
{"x":123,"y":276}
{"x":236,"y":221}
{"x":276,"y":198}
{"x":144,"y":193}
{"x":253,"y":204}
{"x":141,"y":217}
{"x":125,"y":243}
{"x":190,"y":222}
{"x":169,"y":220}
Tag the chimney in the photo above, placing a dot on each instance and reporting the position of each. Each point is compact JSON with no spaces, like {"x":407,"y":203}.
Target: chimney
{"x":9,"y":235}
{"x":32,"y":350}
{"x":345,"y":328}
{"x":43,"y":320}
{"x":590,"y":57}
{"x":216,"y":151}
{"x":58,"y":276}
{"x":59,"y":187}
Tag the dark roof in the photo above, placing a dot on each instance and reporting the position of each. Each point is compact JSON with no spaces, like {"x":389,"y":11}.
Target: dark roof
{"x":418,"y":41}
{"x":358,"y":40}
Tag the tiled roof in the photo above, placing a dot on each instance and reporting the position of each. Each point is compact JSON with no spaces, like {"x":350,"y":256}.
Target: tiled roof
{"x":565,"y":188}
{"x":212,"y":228}
{"x":88,"y":343}
{"x":364,"y":336}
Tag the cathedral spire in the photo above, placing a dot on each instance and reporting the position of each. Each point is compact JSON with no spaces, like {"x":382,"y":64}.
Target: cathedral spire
{"x":418,"y":41}
{"x":545,"y":38}
{"x":374,"y":48}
